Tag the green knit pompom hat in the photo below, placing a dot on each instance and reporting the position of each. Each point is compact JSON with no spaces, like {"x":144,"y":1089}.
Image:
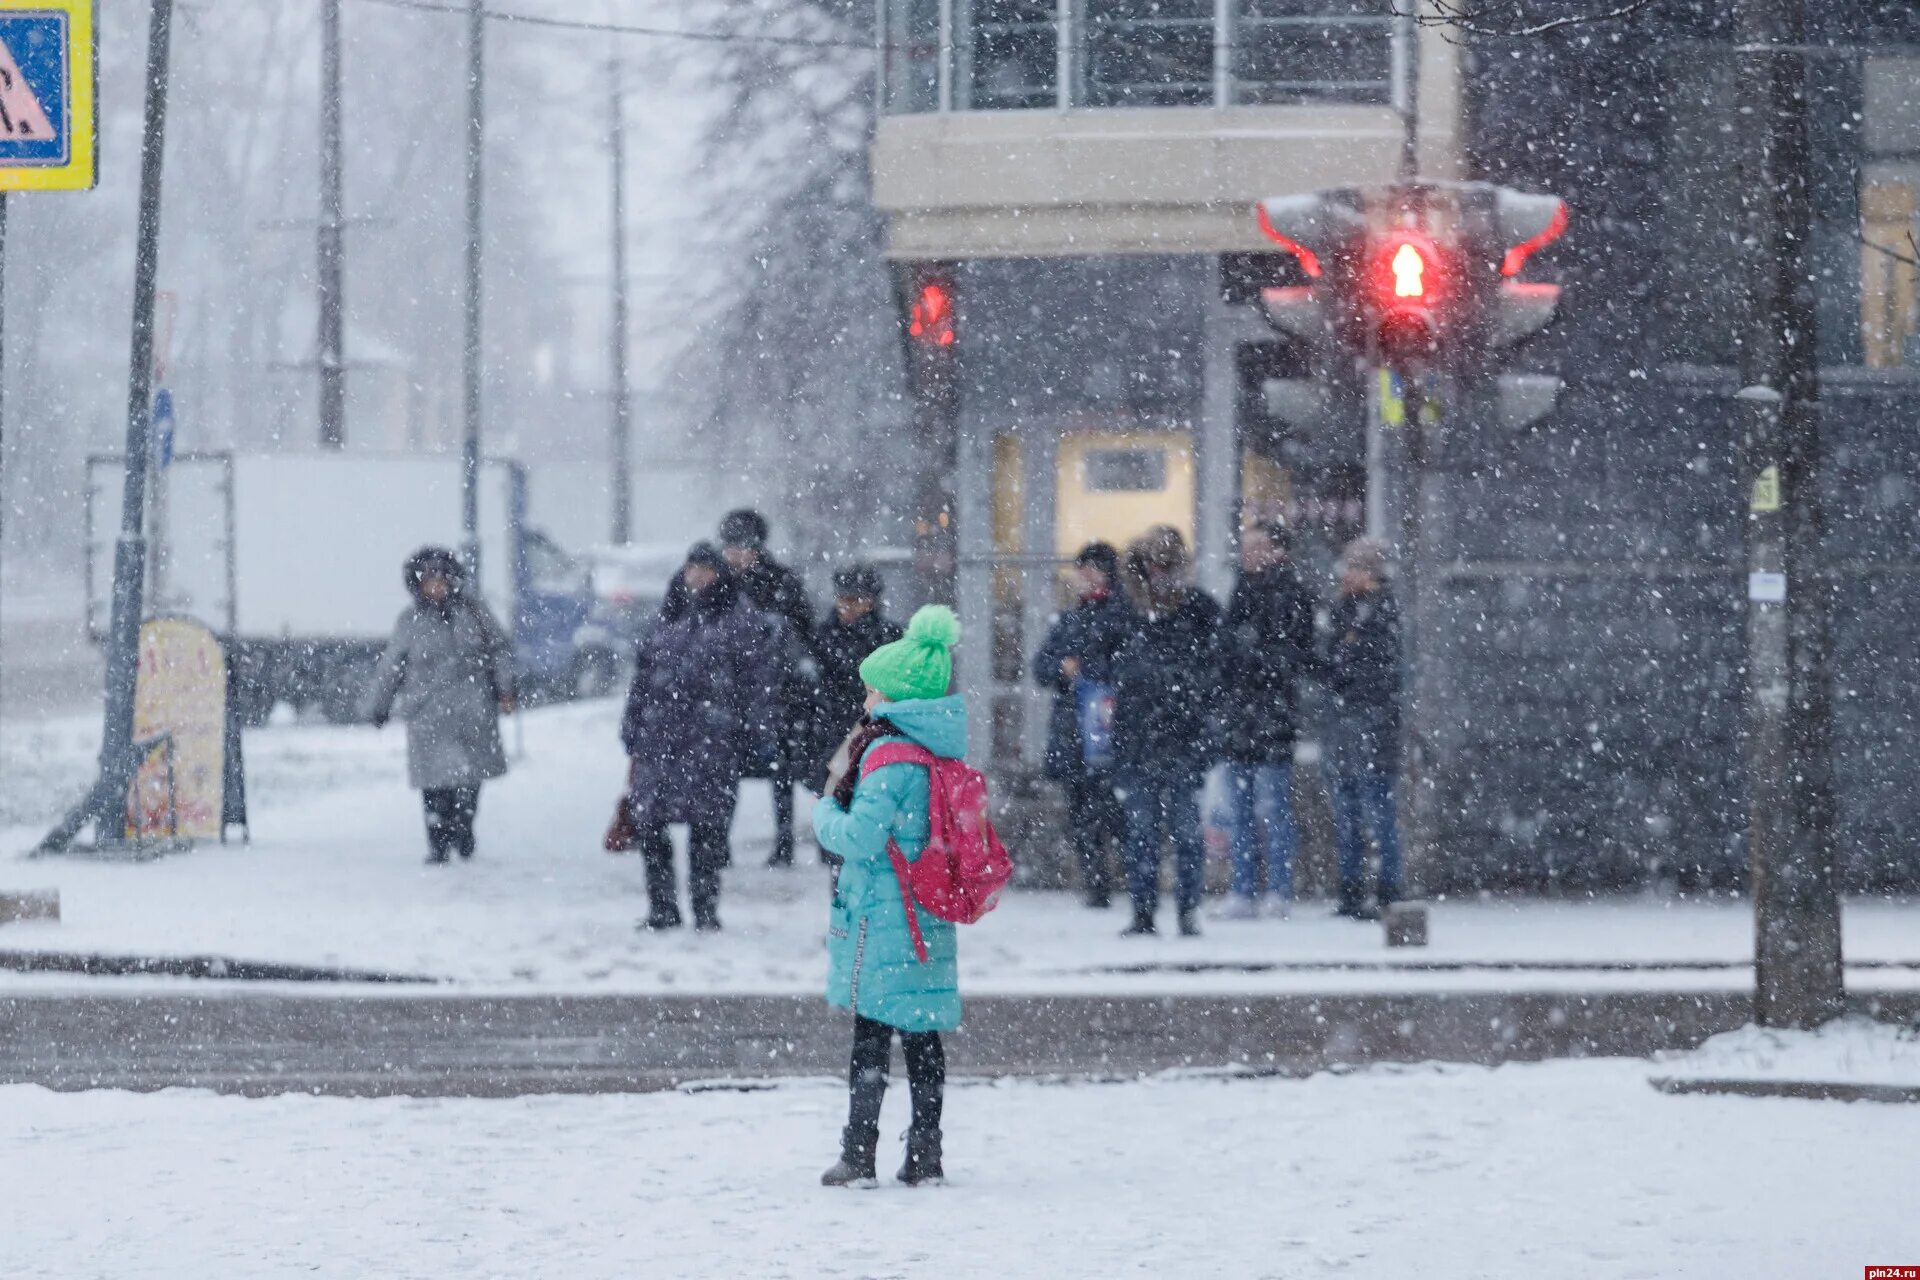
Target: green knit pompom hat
{"x":918,"y":664}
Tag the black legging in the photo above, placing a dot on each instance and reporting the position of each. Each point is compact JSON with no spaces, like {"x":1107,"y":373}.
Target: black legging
{"x":867,"y":1075}
{"x":450,"y":812}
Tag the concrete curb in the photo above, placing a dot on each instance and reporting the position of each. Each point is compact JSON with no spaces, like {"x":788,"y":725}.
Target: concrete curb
{"x":434,"y":1043}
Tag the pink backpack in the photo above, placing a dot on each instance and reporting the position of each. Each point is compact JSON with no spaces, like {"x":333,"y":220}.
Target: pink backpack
{"x":960,"y":874}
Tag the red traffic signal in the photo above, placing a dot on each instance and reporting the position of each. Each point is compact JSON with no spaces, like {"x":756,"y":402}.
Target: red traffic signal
{"x":930,"y":322}
{"x":1406,"y":278}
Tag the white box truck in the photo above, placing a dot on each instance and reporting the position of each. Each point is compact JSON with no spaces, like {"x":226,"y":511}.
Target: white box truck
{"x":294,"y":559}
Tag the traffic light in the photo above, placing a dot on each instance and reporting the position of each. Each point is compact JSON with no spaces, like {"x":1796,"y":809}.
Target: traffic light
{"x":1522,"y":224}
{"x":930,"y":319}
{"x":1418,"y":279}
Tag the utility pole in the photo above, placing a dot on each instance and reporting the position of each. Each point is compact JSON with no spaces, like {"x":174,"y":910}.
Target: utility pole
{"x":622,"y":404}
{"x":1798,"y":979}
{"x":333,"y":366}
{"x":476,"y":143}
{"x":105,"y":806}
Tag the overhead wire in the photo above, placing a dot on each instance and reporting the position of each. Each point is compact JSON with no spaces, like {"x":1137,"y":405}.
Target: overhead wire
{"x":626,"y":29}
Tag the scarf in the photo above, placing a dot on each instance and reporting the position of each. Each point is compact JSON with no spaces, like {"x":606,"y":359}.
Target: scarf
{"x":869,"y":731}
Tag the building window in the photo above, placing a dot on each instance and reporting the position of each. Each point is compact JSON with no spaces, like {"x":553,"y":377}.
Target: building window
{"x":1304,"y":51}
{"x":1890,"y":214}
{"x":1009,"y":55}
{"x":1126,"y":470}
{"x":913,"y":55}
{"x":1147,"y":53}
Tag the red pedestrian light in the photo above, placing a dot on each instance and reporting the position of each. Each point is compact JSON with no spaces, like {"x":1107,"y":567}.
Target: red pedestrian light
{"x":931,"y":320}
{"x":1409,"y":272}
{"x":1406,"y":281}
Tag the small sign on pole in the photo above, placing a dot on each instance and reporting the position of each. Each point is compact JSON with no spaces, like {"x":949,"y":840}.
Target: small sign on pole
{"x":48,"y":110}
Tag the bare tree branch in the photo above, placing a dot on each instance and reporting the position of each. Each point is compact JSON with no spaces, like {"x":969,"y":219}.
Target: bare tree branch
{"x":1911,"y":257}
{"x":1510,"y":19}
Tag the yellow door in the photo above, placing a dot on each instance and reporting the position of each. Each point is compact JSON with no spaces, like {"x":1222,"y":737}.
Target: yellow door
{"x":1114,"y":486}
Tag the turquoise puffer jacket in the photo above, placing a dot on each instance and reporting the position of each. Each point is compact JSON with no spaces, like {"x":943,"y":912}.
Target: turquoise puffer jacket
{"x":872,"y":969}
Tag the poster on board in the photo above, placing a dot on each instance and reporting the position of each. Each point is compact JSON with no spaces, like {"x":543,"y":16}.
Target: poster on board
{"x":180,"y":716}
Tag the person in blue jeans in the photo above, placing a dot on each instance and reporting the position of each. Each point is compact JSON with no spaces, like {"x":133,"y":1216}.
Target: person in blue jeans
{"x":1166,"y":696}
{"x":1362,"y":668}
{"x":1266,"y":648}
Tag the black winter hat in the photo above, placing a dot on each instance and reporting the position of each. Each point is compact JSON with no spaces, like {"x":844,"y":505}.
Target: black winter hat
{"x":1103,"y":557}
{"x":861,"y":580}
{"x":705,"y":553}
{"x":744,"y":527}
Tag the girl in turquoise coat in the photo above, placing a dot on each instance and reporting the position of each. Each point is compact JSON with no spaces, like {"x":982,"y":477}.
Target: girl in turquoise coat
{"x":873,"y":971}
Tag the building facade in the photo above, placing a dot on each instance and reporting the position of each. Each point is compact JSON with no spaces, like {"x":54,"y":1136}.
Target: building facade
{"x":1076,"y":179}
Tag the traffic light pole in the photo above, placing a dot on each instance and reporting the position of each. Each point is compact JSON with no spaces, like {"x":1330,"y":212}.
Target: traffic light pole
{"x":1798,"y":975}
{"x":1415,"y":495}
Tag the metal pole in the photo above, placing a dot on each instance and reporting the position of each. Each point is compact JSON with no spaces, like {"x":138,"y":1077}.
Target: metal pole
{"x":476,"y":141}
{"x":130,"y":553}
{"x":622,"y":407}
{"x":1406,"y":88}
{"x":1798,"y":978}
{"x":333,"y":368}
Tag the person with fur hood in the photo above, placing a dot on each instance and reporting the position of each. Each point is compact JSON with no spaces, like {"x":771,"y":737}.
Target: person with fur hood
{"x":447,"y":672}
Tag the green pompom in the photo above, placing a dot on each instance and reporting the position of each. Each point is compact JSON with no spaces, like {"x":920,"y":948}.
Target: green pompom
{"x":934,"y":626}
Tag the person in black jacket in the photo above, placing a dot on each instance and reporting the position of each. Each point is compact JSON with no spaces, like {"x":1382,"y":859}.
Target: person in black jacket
{"x":856,"y":627}
{"x":1076,"y":662}
{"x":1266,"y":647}
{"x":774,"y":589}
{"x":1363,"y":731}
{"x":1164,"y":725}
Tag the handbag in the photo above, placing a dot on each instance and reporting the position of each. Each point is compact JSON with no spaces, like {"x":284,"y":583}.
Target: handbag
{"x":622,"y":837}
{"x":1093,"y":705}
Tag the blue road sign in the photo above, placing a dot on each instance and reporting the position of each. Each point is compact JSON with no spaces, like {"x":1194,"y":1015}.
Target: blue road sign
{"x":163,"y":427}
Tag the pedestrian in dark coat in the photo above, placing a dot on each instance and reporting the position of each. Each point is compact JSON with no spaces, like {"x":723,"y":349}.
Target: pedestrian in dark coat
{"x":1362,"y":667}
{"x":447,"y":672}
{"x":700,"y":708}
{"x":856,"y":627}
{"x":1076,"y":662}
{"x":776,"y":590}
{"x":1165,"y":725}
{"x":1267,"y":647}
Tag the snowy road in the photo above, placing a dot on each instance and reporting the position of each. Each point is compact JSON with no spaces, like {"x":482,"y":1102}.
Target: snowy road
{"x":1578,"y":1171}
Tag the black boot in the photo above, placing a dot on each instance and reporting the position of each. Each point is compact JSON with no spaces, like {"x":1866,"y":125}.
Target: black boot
{"x":1189,"y":923}
{"x":1142,"y":926}
{"x":923,"y":1158}
{"x":855,"y":1166}
{"x":663,"y":891}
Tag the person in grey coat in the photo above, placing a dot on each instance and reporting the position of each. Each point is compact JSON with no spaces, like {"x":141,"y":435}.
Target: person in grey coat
{"x":448,"y":672}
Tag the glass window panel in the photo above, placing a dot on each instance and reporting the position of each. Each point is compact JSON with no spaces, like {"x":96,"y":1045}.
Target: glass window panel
{"x":1126,"y":470}
{"x":1009,"y":54}
{"x":1288,"y":51}
{"x":1147,"y":53}
{"x":913,"y":56}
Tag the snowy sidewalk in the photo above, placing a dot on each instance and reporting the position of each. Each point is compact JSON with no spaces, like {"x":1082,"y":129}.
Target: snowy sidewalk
{"x":1578,"y":1171}
{"x":335,"y":878}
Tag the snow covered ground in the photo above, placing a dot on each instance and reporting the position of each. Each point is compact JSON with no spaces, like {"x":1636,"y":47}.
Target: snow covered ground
{"x":1854,"y":1051}
{"x":1572,"y":1170}
{"x":335,"y":877}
